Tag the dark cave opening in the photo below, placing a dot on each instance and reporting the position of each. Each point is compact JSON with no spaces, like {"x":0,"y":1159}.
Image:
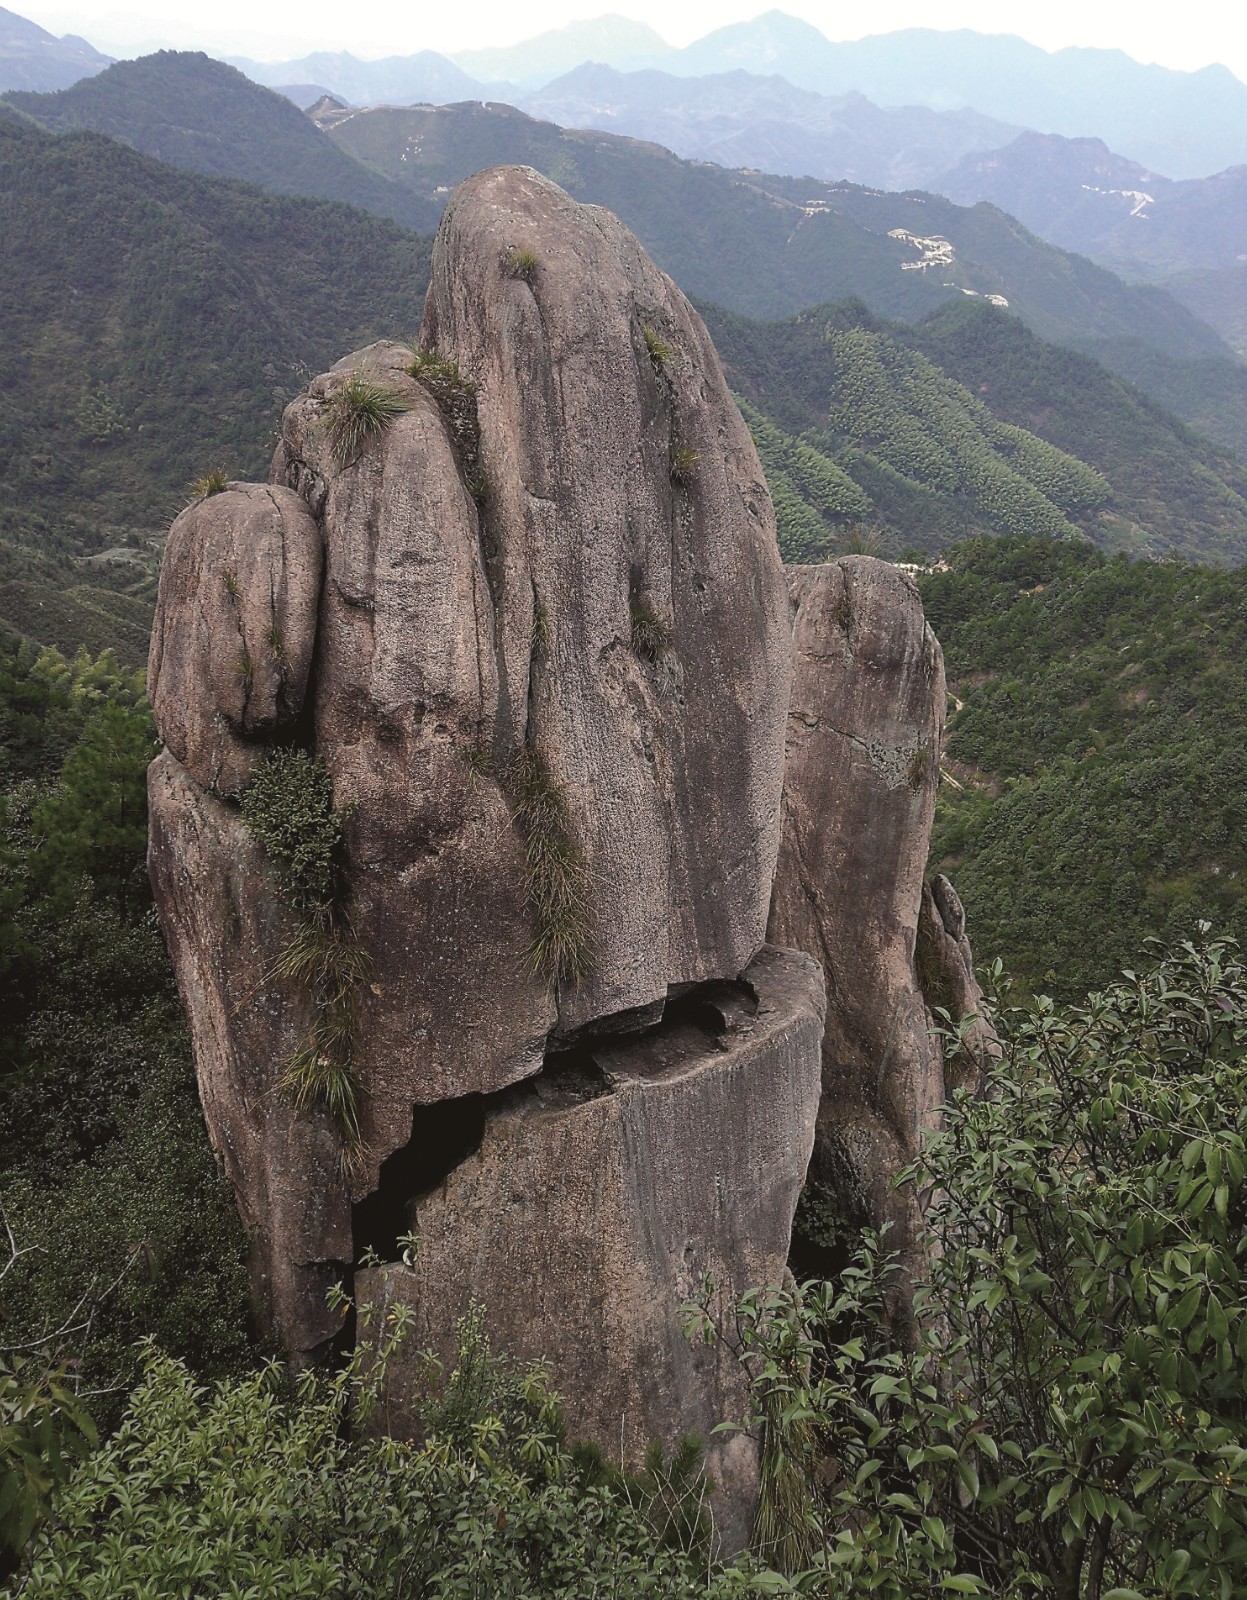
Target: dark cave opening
{"x":442,"y":1136}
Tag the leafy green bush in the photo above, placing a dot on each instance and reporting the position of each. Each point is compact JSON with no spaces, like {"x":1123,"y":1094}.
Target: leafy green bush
{"x":1072,"y":1420}
{"x":281,"y":1491}
{"x":288,"y":809}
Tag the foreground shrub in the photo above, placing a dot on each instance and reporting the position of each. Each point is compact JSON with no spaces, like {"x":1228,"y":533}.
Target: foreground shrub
{"x":259,"y":1487}
{"x":1073,"y":1419}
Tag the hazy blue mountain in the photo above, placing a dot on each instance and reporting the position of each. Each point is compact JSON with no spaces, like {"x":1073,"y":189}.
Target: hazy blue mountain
{"x":32,"y":58}
{"x":1190,"y":235}
{"x":766,"y":246}
{"x":426,"y":77}
{"x":740,"y":119}
{"x":199,"y":114}
{"x":1077,"y":193}
{"x":1185,"y":124}
{"x":612,"y":40}
{"x":307,"y":95}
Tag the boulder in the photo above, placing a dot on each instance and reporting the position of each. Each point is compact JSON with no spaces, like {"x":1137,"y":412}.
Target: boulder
{"x":223,"y":924}
{"x":235,"y":628}
{"x":597,"y":1198}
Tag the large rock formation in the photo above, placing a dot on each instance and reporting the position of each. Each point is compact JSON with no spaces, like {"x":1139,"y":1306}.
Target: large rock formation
{"x":865,"y":734}
{"x":518,"y":594}
{"x":511,"y":620}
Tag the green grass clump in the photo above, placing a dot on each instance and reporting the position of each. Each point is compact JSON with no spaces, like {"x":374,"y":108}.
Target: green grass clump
{"x":289,"y":811}
{"x":214,"y":482}
{"x":429,"y":367}
{"x":651,"y":634}
{"x":684,"y":461}
{"x":660,"y":352}
{"x":520,"y":264}
{"x":358,"y":411}
{"x":558,"y":880}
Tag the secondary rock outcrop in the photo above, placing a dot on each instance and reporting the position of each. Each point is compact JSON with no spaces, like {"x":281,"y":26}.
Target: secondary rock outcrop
{"x":865,"y":734}
{"x":599,"y":1197}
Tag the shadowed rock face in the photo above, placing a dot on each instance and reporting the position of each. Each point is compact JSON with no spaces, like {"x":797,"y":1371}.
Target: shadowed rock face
{"x":865,"y":732}
{"x":564,"y":567}
{"x":601,"y":1193}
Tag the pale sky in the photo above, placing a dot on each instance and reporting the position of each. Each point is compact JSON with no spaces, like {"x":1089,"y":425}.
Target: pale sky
{"x":1185,"y":35}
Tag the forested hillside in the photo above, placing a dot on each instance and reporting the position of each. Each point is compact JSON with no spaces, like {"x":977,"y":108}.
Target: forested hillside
{"x":184,"y":108}
{"x":1097,"y":753}
{"x":970,"y":424}
{"x":155,"y":323}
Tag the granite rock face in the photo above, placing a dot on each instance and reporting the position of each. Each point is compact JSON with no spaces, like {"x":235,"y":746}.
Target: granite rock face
{"x":535,"y":614}
{"x":234,"y":629}
{"x":518,"y":595}
{"x":865,"y":732}
{"x":598,"y":1196}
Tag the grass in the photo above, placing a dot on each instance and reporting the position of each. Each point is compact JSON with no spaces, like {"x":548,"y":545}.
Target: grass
{"x":558,"y":880}
{"x":214,"y":482}
{"x":360,"y":410}
{"x":232,"y":587}
{"x":325,"y":960}
{"x":651,"y":634}
{"x":429,"y":367}
{"x":477,"y":486}
{"x":244,"y":666}
{"x":276,"y":644}
{"x":660,"y":352}
{"x":684,"y":461}
{"x":520,"y":264}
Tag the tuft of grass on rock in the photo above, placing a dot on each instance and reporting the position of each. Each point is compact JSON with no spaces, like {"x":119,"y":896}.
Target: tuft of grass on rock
{"x":360,"y":410}
{"x":429,"y":367}
{"x":520,"y":264}
{"x":651,"y":634}
{"x":684,"y":461}
{"x":214,"y":482}
{"x":660,"y":352}
{"x":558,"y":879}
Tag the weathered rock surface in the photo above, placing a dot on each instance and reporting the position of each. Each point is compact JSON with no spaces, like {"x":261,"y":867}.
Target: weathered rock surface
{"x":865,"y":732}
{"x":235,"y":628}
{"x":224,"y":924}
{"x":599,"y":1195}
{"x":567,"y":565}
{"x":622,"y":486}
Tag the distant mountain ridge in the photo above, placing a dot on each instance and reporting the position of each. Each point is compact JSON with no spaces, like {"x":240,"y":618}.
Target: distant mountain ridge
{"x":32,"y":58}
{"x":766,"y":245}
{"x":1183,"y":123}
{"x":199,"y":114}
{"x":1190,"y":235}
{"x":740,"y":119}
{"x":614,"y":40}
